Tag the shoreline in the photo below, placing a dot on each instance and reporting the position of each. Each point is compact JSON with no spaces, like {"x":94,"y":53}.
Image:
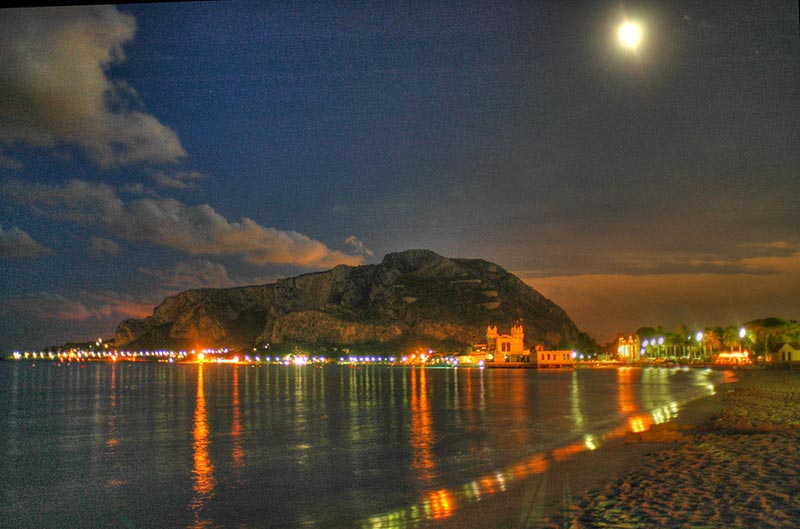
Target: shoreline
{"x":727,"y":460}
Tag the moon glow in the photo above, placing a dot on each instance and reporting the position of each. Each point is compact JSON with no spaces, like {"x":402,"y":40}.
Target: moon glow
{"x":630,"y":34}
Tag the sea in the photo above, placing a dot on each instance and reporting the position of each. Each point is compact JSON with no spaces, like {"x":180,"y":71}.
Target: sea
{"x":155,"y":445}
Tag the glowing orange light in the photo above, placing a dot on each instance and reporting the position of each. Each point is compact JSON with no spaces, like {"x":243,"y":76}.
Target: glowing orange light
{"x":487,"y":485}
{"x":421,"y":430}
{"x":202,"y":472}
{"x":627,"y":402}
{"x":566,"y":452}
{"x":441,"y":504}
{"x":236,"y":426}
{"x":537,"y":464}
{"x":640,"y":423}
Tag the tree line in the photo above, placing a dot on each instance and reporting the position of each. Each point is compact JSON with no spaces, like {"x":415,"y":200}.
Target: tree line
{"x":757,"y":337}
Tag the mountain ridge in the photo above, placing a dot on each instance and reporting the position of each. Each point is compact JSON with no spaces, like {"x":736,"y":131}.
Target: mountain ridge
{"x":415,"y":295}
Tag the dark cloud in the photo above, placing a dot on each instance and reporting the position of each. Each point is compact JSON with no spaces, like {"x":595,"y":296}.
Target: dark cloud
{"x":103,"y":305}
{"x":99,"y":246}
{"x":170,"y":223}
{"x":112,"y":306}
{"x":178,"y":179}
{"x":9,"y":162}
{"x":47,"y":306}
{"x":197,"y":273}
{"x":18,"y":244}
{"x":53,"y":77}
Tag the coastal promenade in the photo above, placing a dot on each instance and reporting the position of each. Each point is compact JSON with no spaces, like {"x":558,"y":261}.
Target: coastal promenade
{"x":729,"y":460}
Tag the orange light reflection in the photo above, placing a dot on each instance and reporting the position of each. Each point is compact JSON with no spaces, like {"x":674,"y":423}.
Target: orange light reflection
{"x":640,"y":423}
{"x":112,"y":441}
{"x":203,"y":470}
{"x":421,"y":429}
{"x":569,"y":451}
{"x":236,"y":426}
{"x":627,"y":403}
{"x":112,"y":456}
{"x":443,"y":503}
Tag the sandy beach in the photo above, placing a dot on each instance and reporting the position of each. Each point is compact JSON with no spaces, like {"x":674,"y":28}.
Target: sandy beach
{"x":728,"y":460}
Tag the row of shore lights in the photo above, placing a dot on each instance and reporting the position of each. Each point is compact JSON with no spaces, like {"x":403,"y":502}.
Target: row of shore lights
{"x":112,"y":354}
{"x":699,"y":337}
{"x":210,"y":355}
{"x":90,"y":355}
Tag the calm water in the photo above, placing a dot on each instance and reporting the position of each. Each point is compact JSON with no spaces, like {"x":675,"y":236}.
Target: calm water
{"x":164,"y":446}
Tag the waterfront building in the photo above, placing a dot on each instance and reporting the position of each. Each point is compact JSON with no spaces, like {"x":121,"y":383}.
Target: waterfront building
{"x":505,"y":348}
{"x":629,"y":348}
{"x":784,"y":354}
{"x":559,"y":358}
{"x":732,"y":358}
{"x":509,"y":350}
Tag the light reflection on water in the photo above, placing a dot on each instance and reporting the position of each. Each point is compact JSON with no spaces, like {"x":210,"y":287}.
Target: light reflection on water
{"x":261,"y":447}
{"x":237,"y":451}
{"x":442,"y":503}
{"x":421,"y":427}
{"x":203,"y":469}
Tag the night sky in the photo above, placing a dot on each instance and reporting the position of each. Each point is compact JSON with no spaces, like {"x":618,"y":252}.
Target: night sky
{"x":148,"y":149}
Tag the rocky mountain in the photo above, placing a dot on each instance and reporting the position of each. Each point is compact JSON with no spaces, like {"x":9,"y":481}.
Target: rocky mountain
{"x":415,"y":296}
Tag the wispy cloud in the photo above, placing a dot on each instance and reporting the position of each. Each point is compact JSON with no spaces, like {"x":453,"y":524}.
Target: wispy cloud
{"x":178,"y":179}
{"x":53,"y":77}
{"x":195,"y":273}
{"x":113,"y":306}
{"x":96,"y":305}
{"x":47,"y":306}
{"x":167,"y":222}
{"x":358,"y":246}
{"x":137,"y":188}
{"x":18,"y":244}
{"x":99,"y":246}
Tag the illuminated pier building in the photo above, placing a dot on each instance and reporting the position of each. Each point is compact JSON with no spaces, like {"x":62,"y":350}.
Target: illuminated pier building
{"x":506,"y":347}
{"x":628,"y":349}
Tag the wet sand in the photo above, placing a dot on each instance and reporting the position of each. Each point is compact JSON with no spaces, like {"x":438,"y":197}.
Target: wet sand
{"x":728,"y":460}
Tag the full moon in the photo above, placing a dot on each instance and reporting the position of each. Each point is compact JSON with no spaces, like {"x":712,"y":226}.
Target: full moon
{"x":630,"y":34}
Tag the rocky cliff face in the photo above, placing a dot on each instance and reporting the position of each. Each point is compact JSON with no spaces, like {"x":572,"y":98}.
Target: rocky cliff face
{"x":410,"y":296}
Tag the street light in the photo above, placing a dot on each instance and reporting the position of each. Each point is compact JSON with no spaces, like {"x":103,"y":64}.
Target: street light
{"x":699,"y":338}
{"x":742,"y":334}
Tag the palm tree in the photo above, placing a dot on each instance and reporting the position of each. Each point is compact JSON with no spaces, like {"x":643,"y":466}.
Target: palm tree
{"x":712,"y":340}
{"x":730,"y":337}
{"x":683,"y":334}
{"x":673,"y":342}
